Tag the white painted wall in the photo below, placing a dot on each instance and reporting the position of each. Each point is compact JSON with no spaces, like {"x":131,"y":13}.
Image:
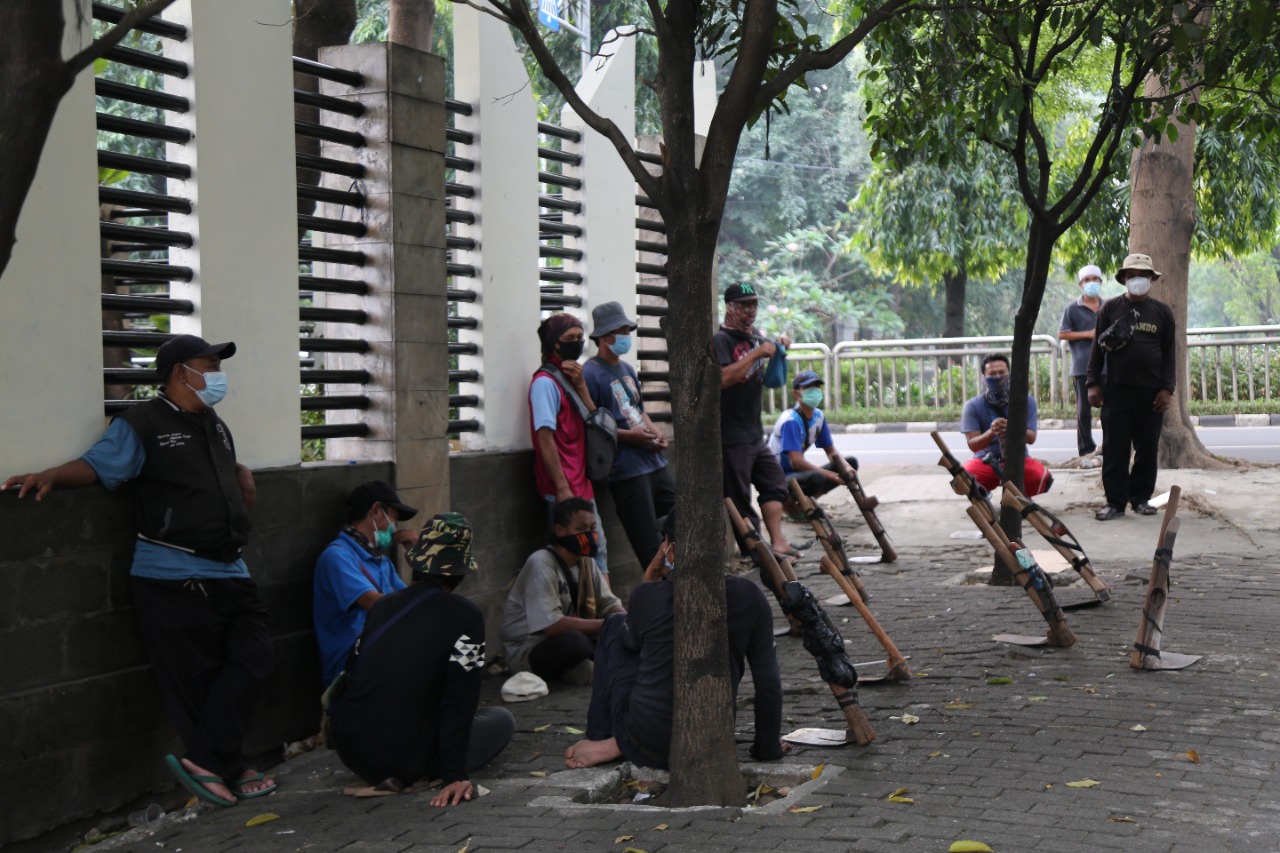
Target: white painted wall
{"x":489,"y":75}
{"x":50,"y":313}
{"x":244,"y":218}
{"x":608,"y":192}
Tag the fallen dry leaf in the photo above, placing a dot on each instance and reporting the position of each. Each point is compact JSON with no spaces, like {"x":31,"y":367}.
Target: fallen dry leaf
{"x":634,"y":850}
{"x":969,"y":847}
{"x":1000,"y":679}
{"x":622,"y":838}
{"x":1193,"y":756}
{"x":259,"y":820}
{"x":896,"y":796}
{"x":1138,"y":728}
{"x":464,"y":848}
{"x":803,"y":809}
{"x":958,"y":705}
{"x":817,"y":771}
{"x":542,"y":728}
{"x":538,"y":773}
{"x":1084,"y":783}
{"x":935,"y":753}
{"x":1125,"y":819}
{"x":1037,"y":698}
{"x":574,"y":730}
{"x":661,"y":827}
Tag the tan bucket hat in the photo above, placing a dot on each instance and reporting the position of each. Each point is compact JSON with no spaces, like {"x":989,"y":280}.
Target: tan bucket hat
{"x":1136,"y":262}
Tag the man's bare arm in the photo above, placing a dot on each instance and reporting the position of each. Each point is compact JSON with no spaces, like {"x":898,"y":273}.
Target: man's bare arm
{"x":77,"y":472}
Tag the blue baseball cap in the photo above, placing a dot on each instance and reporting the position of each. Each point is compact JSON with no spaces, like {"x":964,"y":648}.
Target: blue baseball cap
{"x":805,"y":378}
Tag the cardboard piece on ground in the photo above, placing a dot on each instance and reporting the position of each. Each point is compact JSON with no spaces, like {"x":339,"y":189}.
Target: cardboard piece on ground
{"x":1051,"y":561}
{"x":1168,"y":660}
{"x":817,"y":737}
{"x":1159,"y":500}
{"x":838,"y":600}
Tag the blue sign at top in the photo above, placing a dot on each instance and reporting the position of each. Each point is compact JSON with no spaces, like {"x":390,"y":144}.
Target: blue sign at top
{"x":549,"y":14}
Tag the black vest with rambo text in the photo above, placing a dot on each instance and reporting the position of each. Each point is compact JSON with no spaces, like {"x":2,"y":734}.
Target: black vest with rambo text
{"x":187,"y":495}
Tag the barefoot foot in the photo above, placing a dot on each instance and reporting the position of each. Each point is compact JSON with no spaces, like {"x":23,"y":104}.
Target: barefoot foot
{"x":589,"y":753}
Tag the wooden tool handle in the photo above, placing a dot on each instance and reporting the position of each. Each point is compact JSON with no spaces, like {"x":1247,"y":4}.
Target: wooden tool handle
{"x":897,"y":663}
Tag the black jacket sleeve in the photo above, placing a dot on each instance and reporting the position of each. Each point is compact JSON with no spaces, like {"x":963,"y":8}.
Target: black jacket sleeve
{"x":463,"y":675}
{"x":1093,"y":373}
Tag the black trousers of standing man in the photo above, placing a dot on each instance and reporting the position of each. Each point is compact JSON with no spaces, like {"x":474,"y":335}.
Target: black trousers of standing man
{"x":211,"y":654}
{"x":1084,"y":418}
{"x":1128,"y":422}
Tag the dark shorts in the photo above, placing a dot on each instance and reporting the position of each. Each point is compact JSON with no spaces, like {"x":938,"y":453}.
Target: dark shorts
{"x":747,"y":465}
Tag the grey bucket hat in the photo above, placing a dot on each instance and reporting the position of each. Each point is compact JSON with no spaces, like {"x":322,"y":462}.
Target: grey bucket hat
{"x":609,"y":318}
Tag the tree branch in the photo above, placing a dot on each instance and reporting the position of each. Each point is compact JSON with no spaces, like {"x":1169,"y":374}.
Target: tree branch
{"x":114,"y":36}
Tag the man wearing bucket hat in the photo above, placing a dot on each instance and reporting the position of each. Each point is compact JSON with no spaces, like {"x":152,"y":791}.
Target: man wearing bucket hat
{"x":1132,"y":375}
{"x":641,"y":483}
{"x":405,"y":709}
{"x":354,"y":571}
{"x":201,"y":617}
{"x":1079,"y":320}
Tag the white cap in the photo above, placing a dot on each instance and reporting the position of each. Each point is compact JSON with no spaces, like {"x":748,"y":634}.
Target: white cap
{"x":1087,"y":271}
{"x":522,"y":687}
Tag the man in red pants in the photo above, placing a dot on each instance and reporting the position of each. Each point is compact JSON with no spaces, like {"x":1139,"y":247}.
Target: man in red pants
{"x":983,"y":424}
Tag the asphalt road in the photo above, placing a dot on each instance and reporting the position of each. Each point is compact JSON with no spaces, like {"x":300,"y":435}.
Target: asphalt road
{"x":1256,"y":444}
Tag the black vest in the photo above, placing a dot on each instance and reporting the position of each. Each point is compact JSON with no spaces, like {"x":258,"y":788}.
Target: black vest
{"x":187,"y":495}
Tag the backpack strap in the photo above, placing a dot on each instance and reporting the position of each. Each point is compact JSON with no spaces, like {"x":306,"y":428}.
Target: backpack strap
{"x":569,"y":391}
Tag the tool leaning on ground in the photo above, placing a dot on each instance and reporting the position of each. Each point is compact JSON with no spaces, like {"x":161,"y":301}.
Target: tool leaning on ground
{"x":1019,"y":560}
{"x":898,"y":669}
{"x":820,"y":637}
{"x":867,"y":504}
{"x":1055,"y":532}
{"x":832,"y":543}
{"x":1146,"y":652}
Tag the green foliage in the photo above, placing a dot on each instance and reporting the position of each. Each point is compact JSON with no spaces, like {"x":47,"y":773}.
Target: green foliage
{"x":1241,"y":291}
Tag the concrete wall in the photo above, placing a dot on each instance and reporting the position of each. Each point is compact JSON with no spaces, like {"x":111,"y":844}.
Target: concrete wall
{"x":84,"y":730}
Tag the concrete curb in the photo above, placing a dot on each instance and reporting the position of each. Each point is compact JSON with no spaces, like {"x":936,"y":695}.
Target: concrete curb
{"x":1255,"y":420}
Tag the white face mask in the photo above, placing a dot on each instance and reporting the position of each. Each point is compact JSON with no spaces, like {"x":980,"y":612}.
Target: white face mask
{"x":1138,"y":285}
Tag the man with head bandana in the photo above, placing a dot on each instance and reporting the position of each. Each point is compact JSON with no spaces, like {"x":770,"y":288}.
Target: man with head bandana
{"x":983,"y":423}
{"x":201,"y":617}
{"x":558,"y":432}
{"x":743,"y":353}
{"x":552,"y":617}
{"x":1133,"y":370}
{"x":1079,"y":320}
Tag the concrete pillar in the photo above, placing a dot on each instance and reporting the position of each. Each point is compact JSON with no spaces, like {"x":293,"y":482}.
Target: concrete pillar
{"x":608,"y":194}
{"x":489,"y":75}
{"x":50,"y":314}
{"x":403,"y":126}
{"x":244,"y":219}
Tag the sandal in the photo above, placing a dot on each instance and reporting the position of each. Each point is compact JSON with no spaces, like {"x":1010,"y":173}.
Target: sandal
{"x":195,"y":782}
{"x":249,"y":780}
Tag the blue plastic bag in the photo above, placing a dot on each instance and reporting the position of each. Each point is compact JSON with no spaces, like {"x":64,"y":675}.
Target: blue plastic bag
{"x":775,"y":373}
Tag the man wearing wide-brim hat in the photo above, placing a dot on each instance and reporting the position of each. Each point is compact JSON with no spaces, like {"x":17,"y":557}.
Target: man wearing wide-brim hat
{"x":404,"y":711}
{"x":1132,"y":375}
{"x":640,"y":481}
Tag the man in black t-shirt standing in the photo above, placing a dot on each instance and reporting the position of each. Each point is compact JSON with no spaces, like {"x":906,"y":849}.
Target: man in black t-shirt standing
{"x":743,"y":353}
{"x":1132,"y":374}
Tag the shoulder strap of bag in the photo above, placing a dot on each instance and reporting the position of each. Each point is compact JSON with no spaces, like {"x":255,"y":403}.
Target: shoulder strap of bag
{"x":569,"y":390}
{"x":400,"y":614}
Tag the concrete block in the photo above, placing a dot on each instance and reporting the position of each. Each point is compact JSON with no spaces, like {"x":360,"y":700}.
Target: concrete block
{"x":416,"y":171}
{"x":32,"y":656}
{"x":64,"y":584}
{"x":421,"y":366}
{"x":415,"y":72}
{"x":417,"y":123}
{"x":421,"y":414}
{"x":421,"y":318}
{"x":425,"y":461}
{"x":419,"y":270}
{"x":103,"y":643}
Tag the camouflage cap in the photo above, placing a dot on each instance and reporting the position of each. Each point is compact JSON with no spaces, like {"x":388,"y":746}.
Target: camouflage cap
{"x":443,"y":547}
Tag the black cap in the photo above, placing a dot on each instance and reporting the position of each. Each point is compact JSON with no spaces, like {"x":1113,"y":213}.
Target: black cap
{"x":740,"y":293}
{"x":367,"y":494}
{"x":186,"y":347}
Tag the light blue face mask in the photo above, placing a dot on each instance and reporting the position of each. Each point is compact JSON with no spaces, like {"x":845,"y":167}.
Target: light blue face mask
{"x":215,"y":386}
{"x":1092,"y":288}
{"x":621,"y":344}
{"x":811,"y":397}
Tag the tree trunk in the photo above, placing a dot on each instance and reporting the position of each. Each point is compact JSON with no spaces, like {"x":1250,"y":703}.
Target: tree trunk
{"x":704,"y":767}
{"x":1040,"y":240}
{"x":1162,"y":217}
{"x":410,"y":23}
{"x":35,"y":79}
{"x":316,"y":24}
{"x":953,"y":284}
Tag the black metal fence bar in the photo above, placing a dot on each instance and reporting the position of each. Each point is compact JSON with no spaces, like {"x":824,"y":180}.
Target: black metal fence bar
{"x":452,"y":134}
{"x":464,"y":349}
{"x":148,"y":201}
{"x":459,"y":107}
{"x":336,"y":377}
{"x":137,"y":95}
{"x":329,"y":164}
{"x":556,"y":203}
{"x":464,"y":323}
{"x":139,"y":234}
{"x":147,"y":61}
{"x":650,"y":332}
{"x":349,"y":198}
{"x":138,"y":339}
{"x":559,"y":180}
{"x":453,"y":188}
{"x":558,"y":156}
{"x":465,"y":243}
{"x":457,"y":401}
{"x":154,"y":26}
{"x":327,"y":72}
{"x":317,"y":431}
{"x":546,"y":226}
{"x":466,"y":217}
{"x":331,"y":256}
{"x":558,"y":300}
{"x":332,"y":226}
{"x":463,"y":425}
{"x":659,"y":290}
{"x":328,"y":102}
{"x":652,"y":269}
{"x":651,"y":246}
{"x":352,"y":345}
{"x":145,"y":165}
{"x":146,"y":270}
{"x":464,"y":376}
{"x":649,"y":157}
{"x":129,"y":376}
{"x":328,"y":134}
{"x":143,"y":129}
{"x":546,"y":274}
{"x":459,"y":164}
{"x":324,"y":402}
{"x":333,"y":315}
{"x":560,"y":252}
{"x":655,"y":225}
{"x":454,"y":294}
{"x":651,"y":310}
{"x":461,"y":271}
{"x":147,"y":304}
{"x":557,"y":131}
{"x":324,"y":284}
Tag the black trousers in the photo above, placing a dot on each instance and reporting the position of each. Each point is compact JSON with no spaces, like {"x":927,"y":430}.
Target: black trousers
{"x":1128,"y":422}
{"x":211,"y":654}
{"x":815,"y":484}
{"x":640,"y":502}
{"x":608,"y":715}
{"x":555,"y":655}
{"x":491,"y":731}
{"x":1084,"y":418}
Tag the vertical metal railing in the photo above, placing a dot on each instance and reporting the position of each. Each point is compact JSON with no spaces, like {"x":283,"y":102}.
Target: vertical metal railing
{"x":324,"y":329}
{"x":461,"y":277}
{"x":559,"y":278}
{"x":134,"y":204}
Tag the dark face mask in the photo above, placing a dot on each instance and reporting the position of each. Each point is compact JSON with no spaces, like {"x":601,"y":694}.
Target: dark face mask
{"x":583,"y":544}
{"x":570,"y":350}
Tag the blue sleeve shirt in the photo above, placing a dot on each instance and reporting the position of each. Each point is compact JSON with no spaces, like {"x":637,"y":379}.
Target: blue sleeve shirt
{"x":118,"y":456}
{"x":978,"y":415}
{"x":544,"y":402}
{"x":340,"y":579}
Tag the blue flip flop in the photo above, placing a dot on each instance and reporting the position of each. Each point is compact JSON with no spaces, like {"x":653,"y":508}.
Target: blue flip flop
{"x":192,"y":782}
{"x":249,"y":795}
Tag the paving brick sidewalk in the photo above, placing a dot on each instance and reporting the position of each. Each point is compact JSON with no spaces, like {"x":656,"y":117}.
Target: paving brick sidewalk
{"x":986,"y":761}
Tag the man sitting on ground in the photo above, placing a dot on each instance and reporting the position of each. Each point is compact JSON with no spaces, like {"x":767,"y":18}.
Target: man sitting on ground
{"x":632,"y":695}
{"x":558,"y":603}
{"x":983,"y":423}
{"x":354,"y":571}
{"x":801,"y":427}
{"x":406,"y":709}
